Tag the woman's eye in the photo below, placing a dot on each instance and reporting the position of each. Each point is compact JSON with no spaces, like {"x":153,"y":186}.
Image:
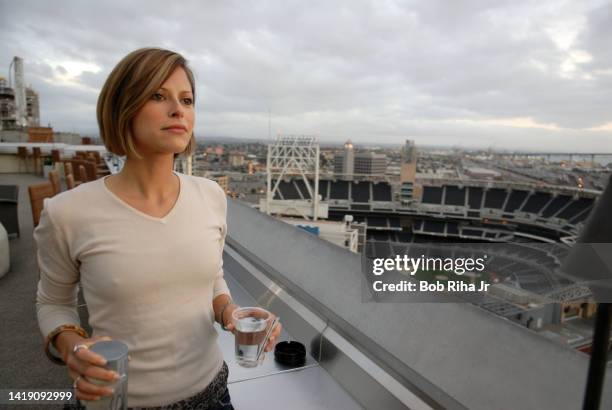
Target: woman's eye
{"x":157,"y":97}
{"x":188,"y":101}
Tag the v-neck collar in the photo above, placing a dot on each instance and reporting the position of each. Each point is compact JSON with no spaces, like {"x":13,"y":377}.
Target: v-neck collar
{"x":163,"y":219}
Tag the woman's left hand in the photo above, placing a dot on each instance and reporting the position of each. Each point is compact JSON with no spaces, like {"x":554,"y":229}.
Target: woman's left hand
{"x":276,"y":332}
{"x":278,"y":328}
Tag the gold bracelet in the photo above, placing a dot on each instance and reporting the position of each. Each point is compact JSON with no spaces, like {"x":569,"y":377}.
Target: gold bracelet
{"x":54,"y":333}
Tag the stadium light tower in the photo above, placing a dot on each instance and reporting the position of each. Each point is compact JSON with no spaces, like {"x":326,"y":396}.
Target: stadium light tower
{"x":294,"y":155}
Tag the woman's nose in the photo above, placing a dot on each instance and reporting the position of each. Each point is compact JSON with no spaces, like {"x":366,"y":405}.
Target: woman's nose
{"x":177,"y":110}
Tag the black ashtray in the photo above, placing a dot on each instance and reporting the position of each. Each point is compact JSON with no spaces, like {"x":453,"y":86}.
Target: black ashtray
{"x":292,"y":354}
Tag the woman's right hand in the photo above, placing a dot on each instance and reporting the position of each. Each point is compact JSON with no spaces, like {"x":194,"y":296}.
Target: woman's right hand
{"x":84,"y":364}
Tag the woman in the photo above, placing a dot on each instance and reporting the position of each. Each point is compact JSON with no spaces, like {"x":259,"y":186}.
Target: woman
{"x":146,"y":246}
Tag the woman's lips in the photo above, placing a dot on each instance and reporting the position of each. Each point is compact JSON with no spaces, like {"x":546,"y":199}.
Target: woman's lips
{"x":176,"y":130}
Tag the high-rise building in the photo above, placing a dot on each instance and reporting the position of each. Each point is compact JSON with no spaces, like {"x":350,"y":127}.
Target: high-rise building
{"x":408,"y":170}
{"x":370,"y":163}
{"x":348,"y":163}
{"x":32,"y":108}
{"x":20,"y":94}
{"x":344,"y":161}
{"x":7,"y":105}
{"x":409,"y":162}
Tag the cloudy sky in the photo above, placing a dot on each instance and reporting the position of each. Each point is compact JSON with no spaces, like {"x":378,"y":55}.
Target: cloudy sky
{"x":502,"y":74}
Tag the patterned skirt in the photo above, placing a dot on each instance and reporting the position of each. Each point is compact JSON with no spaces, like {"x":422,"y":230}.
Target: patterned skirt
{"x":214,"y":397}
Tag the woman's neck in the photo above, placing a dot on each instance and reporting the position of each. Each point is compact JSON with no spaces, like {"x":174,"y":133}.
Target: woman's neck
{"x":149,"y":178}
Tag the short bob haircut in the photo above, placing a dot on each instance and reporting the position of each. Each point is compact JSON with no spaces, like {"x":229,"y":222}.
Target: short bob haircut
{"x":126,"y":90}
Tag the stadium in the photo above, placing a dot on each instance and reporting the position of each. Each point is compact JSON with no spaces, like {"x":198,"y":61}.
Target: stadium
{"x":525,"y":228}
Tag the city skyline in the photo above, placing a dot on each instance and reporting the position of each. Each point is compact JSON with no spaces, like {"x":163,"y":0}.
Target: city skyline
{"x":526,"y":76}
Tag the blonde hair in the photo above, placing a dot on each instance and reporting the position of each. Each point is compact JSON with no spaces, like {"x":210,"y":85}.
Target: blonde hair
{"x":128,"y":87}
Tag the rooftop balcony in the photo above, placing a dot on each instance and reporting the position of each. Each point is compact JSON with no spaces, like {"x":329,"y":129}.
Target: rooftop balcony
{"x":359,"y":355}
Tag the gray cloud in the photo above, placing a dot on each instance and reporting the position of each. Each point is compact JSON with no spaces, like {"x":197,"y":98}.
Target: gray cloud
{"x":508,"y":74}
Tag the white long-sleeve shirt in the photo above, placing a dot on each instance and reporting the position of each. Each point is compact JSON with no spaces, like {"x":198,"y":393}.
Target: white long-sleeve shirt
{"x":148,"y":282}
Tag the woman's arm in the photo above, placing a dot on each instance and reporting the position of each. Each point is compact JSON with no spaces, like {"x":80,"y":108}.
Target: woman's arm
{"x":223,"y":305}
{"x":56,"y":297}
{"x":222,"y":301}
{"x":56,"y":308}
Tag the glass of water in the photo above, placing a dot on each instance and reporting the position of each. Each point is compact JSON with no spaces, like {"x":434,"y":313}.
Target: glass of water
{"x":250,"y":328}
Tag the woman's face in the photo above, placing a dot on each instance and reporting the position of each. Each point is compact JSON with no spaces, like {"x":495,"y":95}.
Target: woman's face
{"x":164,"y":125}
